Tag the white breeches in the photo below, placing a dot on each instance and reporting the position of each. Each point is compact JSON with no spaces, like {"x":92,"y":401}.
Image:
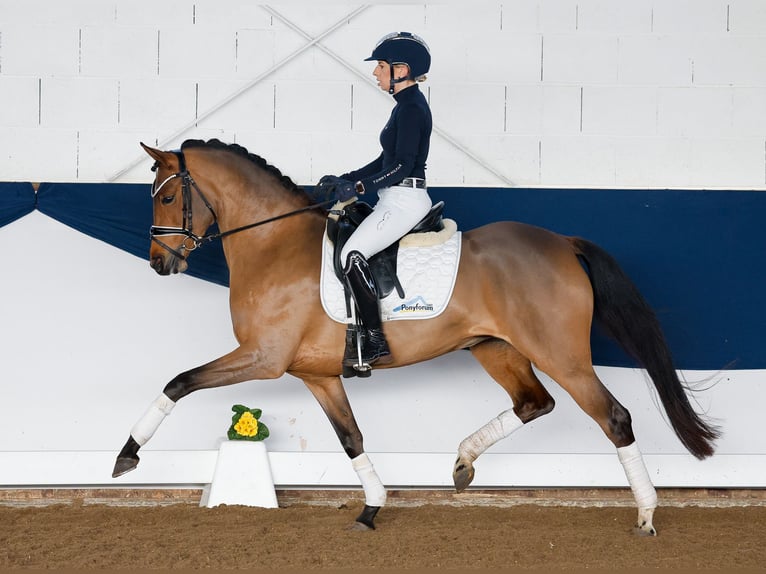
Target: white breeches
{"x":398,"y":210}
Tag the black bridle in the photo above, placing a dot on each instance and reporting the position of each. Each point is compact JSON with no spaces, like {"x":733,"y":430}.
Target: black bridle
{"x":187,"y":184}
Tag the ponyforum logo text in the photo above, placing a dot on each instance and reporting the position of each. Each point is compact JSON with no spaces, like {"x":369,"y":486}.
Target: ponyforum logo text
{"x":416,"y":305}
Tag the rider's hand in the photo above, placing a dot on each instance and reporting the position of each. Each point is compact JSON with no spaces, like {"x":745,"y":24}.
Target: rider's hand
{"x":325,"y":188}
{"x":329,"y":185}
{"x":345,"y":190}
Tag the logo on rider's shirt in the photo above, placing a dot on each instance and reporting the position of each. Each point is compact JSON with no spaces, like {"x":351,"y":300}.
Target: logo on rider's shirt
{"x":415,"y":305}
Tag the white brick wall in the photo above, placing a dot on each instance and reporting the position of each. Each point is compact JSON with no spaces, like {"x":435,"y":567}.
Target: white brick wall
{"x":650,"y":93}
{"x":619,"y":110}
{"x":543,"y":109}
{"x":580,"y":59}
{"x":78,"y":103}
{"x":508,"y":57}
{"x":196,"y":51}
{"x":654,"y":60}
{"x":700,"y":112}
{"x":748,"y":17}
{"x":39,"y":51}
{"x":483,"y":105}
{"x":748,"y":117}
{"x":164,"y":104}
{"x":251,"y":110}
{"x":64,"y":14}
{"x":725,"y":60}
{"x":52,"y":150}
{"x":24,"y":92}
{"x":578,"y":158}
{"x":658,"y":162}
{"x":690,"y":17}
{"x":610,"y":17}
{"x":118,"y":52}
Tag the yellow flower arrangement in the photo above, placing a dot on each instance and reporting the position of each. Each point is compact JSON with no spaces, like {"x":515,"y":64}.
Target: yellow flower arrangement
{"x":245,"y":424}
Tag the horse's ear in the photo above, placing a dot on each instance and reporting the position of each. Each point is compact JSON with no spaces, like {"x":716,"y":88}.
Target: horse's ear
{"x":163,"y":158}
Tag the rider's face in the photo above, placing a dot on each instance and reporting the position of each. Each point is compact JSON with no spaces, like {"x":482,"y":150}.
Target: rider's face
{"x":382,"y":73}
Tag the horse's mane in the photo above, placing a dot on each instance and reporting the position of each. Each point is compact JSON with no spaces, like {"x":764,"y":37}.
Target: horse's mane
{"x":284,"y":180}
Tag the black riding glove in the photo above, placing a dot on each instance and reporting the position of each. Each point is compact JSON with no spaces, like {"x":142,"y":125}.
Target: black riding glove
{"x":330,"y":185}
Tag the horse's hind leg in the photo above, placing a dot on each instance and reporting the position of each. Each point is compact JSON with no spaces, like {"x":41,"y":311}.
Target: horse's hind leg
{"x":514,"y":373}
{"x":614,"y":419}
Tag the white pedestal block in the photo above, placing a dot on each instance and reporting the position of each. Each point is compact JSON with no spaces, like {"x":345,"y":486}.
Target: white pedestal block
{"x":242,"y":476}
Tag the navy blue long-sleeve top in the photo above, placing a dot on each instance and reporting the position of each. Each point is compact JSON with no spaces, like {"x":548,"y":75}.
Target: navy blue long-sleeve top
{"x":405,"y":140}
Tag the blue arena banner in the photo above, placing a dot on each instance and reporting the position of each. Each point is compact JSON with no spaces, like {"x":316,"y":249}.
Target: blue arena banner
{"x":121,"y":214}
{"x":696,"y":255}
{"x":16,"y":200}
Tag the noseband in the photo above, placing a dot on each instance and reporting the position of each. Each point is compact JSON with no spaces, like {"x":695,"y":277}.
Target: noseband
{"x":187,"y":184}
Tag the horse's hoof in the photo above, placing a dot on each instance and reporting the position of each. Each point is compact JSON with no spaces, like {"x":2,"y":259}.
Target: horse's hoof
{"x":124,"y":465}
{"x":359,"y":527}
{"x":645,"y":529}
{"x":462,"y":476}
{"x":366,"y":520}
{"x":644,"y":525}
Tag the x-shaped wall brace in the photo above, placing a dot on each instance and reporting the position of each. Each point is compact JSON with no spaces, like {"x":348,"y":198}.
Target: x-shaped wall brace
{"x":310,"y":42}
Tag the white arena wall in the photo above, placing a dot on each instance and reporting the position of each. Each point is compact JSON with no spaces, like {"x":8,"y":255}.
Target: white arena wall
{"x":573,"y":93}
{"x":550,"y":93}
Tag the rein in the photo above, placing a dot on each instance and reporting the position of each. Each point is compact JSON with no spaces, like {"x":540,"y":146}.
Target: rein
{"x":187,"y":183}
{"x":222,"y":234}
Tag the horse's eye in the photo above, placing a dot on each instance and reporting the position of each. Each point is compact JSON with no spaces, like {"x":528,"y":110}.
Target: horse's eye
{"x":168,"y":199}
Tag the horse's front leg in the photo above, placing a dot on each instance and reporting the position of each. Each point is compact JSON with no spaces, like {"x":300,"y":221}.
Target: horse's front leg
{"x":331,"y":395}
{"x":238,"y":366}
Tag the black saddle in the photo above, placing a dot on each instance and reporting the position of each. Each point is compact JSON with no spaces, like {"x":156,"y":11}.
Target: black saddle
{"x":382,"y":264}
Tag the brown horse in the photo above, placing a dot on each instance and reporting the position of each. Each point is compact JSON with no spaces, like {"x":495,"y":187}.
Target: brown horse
{"x":523,"y":296}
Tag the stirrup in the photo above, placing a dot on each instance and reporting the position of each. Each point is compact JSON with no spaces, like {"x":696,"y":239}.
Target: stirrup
{"x":357,"y":363}
{"x":353,"y":364}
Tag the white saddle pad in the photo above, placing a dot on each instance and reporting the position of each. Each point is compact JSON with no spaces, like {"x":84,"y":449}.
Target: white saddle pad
{"x":427,"y":267}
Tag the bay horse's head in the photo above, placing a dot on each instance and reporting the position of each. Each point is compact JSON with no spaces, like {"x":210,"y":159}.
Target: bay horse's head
{"x":181,"y":212}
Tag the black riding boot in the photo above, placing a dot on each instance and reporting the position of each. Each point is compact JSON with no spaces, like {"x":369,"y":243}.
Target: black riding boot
{"x":361,"y":283}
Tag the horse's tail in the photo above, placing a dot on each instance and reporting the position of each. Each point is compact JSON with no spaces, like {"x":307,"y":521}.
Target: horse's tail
{"x":621,"y":309}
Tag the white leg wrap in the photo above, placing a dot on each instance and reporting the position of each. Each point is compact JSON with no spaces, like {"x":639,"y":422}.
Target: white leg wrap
{"x":145,"y":427}
{"x":498,"y":428}
{"x":374,"y":491}
{"x":638,"y":477}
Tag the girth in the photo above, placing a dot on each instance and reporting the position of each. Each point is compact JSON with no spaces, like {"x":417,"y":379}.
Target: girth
{"x":382,"y":264}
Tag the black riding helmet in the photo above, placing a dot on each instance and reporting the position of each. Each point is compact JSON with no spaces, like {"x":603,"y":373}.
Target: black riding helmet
{"x":403,"y":48}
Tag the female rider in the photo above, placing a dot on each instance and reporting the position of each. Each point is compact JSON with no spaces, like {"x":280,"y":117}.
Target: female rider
{"x":398,"y":177}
